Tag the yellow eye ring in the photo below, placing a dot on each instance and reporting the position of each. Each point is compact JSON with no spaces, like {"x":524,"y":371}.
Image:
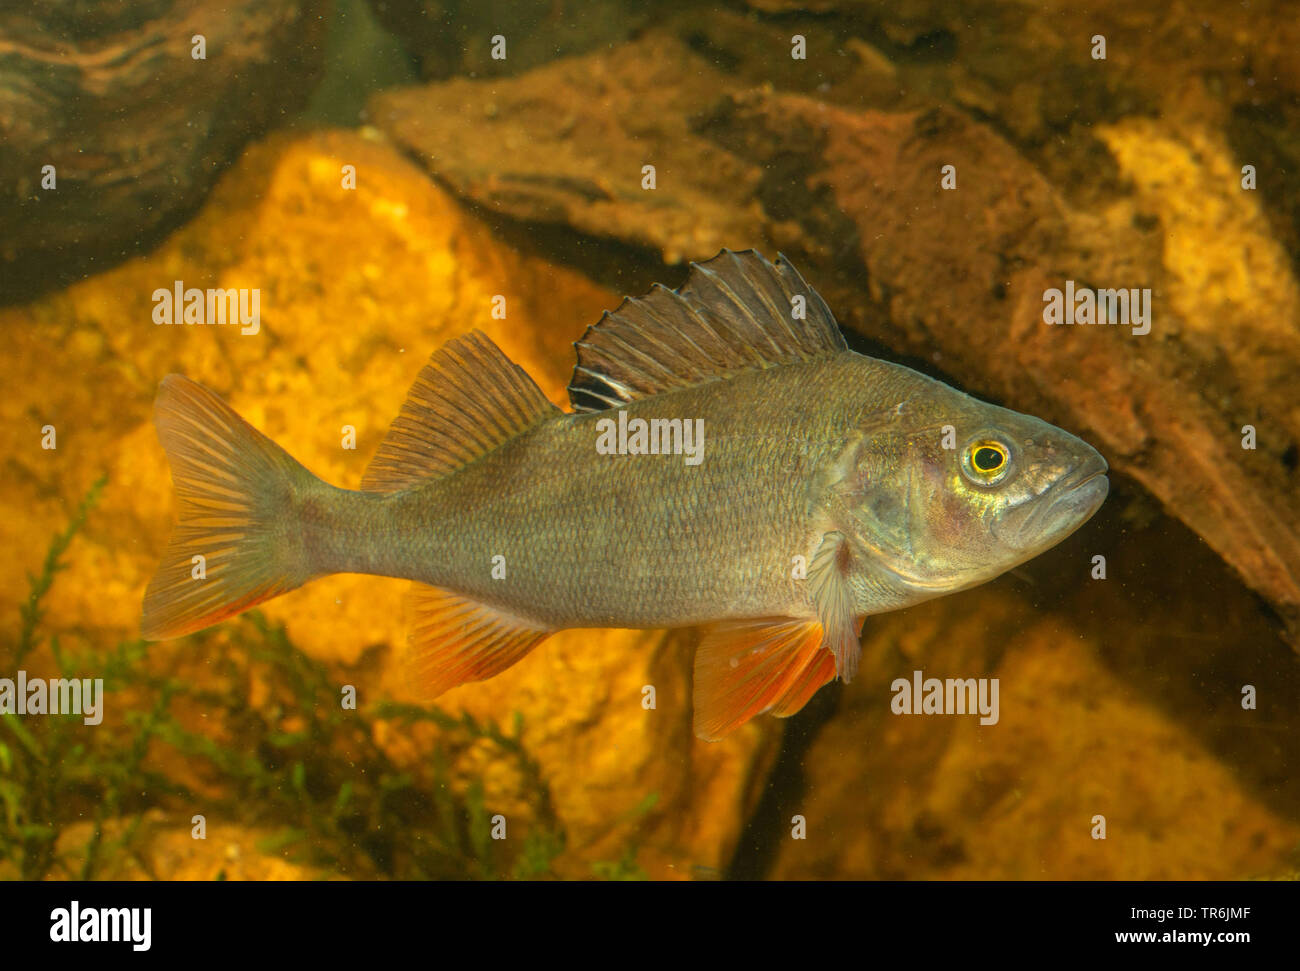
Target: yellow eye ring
{"x":986,"y":460}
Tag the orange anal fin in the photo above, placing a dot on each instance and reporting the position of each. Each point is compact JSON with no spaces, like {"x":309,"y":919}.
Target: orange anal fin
{"x":818,"y":671}
{"x":746,"y":668}
{"x":454,"y":640}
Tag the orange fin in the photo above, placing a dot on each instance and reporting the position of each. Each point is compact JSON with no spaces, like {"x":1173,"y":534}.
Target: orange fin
{"x":454,"y":640}
{"x":818,"y":672}
{"x":234,"y":544}
{"x":746,"y":668}
{"x":465,"y":402}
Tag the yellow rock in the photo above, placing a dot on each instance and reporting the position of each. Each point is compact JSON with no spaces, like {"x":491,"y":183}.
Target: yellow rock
{"x":1230,"y":281}
{"x":164,"y":850}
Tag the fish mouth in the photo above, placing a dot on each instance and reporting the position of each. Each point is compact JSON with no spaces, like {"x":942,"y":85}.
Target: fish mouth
{"x":1093,"y":475}
{"x":1092,"y":471}
{"x":1064,"y":507}
{"x":1073,"y":500}
{"x":1087,"y":495}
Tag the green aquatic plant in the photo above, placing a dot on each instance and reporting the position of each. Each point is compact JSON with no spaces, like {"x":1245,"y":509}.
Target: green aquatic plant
{"x":277,"y":751}
{"x":47,"y":767}
{"x":312,"y":769}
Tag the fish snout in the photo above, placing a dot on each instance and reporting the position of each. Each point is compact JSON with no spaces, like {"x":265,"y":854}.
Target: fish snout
{"x":1062,"y":507}
{"x":1072,"y":501}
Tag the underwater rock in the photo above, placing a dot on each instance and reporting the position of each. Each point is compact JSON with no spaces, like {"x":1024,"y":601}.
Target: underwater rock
{"x":544,"y":152}
{"x":114,"y":128}
{"x":483,"y":38}
{"x":855,"y":197}
{"x":159,"y":849}
{"x":357,"y":288}
{"x":1040,"y":69}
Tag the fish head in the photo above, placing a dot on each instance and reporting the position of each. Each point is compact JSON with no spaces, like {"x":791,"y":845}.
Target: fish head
{"x":961,"y":491}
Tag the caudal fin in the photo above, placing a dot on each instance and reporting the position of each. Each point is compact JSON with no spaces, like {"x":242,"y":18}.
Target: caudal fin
{"x":236,"y":542}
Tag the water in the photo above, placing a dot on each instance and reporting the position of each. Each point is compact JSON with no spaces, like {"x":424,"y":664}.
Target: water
{"x":385,"y":181}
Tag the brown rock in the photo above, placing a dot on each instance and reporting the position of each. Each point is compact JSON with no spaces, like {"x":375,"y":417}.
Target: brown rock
{"x":541,"y":153}
{"x":449,"y":38}
{"x":1031,"y":66}
{"x":136,"y":128}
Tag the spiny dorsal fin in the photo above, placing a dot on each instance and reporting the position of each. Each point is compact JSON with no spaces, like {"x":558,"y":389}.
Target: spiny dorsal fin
{"x":454,"y":640}
{"x":734,"y":313}
{"x":465,"y":402}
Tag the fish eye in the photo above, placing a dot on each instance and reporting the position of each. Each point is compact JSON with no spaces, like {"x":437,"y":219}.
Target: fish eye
{"x":986,"y":461}
{"x":988,"y":458}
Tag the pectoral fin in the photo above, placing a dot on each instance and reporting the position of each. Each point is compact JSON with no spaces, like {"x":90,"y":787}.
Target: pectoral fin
{"x":744,"y":669}
{"x":829,"y":585}
{"x":454,"y":640}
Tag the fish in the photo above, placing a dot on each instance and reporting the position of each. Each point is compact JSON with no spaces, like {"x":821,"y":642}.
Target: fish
{"x":828,"y":486}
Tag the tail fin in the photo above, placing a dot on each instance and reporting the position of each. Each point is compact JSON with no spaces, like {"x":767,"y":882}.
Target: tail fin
{"x":236,"y":543}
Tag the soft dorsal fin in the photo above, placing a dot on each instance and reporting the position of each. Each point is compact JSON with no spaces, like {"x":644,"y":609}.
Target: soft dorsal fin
{"x":734,"y":313}
{"x":465,"y":402}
